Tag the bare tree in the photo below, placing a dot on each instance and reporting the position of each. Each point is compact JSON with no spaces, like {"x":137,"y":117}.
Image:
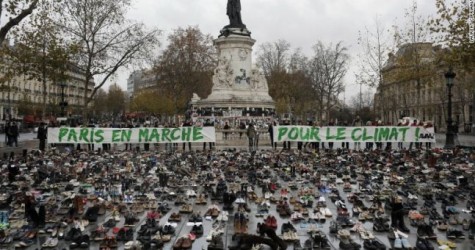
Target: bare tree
{"x":411,"y":63}
{"x":274,"y":57}
{"x":106,"y":40}
{"x":327,"y":69}
{"x":286,"y":71}
{"x":374,"y":43}
{"x":15,"y":11}
{"x":364,"y":101}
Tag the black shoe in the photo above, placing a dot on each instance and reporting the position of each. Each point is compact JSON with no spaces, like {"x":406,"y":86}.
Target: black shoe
{"x":84,"y":241}
{"x":404,"y":229}
{"x":368,"y":245}
{"x":423,"y":244}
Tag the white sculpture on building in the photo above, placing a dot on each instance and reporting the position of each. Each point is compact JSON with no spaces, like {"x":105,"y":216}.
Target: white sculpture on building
{"x":223,"y":74}
{"x":258,"y":81}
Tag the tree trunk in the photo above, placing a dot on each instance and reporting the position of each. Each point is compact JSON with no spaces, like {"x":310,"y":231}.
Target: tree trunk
{"x":44,"y":79}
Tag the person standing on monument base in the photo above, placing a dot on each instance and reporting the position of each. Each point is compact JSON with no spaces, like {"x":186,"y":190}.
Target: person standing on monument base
{"x":226,"y":129}
{"x":251,"y":135}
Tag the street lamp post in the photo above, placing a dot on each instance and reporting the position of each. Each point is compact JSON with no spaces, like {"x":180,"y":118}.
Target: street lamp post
{"x":450,"y":134}
{"x":63,"y":103}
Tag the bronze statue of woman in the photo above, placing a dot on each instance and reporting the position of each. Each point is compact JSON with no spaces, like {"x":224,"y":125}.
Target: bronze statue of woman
{"x":234,"y":13}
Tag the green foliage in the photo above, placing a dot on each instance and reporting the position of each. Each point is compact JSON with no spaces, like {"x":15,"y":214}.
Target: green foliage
{"x":115,"y":100}
{"x":25,"y":106}
{"x":40,"y":52}
{"x":451,"y":27}
{"x":148,"y":101}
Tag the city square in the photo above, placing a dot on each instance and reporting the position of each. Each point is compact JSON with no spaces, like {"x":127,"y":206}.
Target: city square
{"x":121,"y":133}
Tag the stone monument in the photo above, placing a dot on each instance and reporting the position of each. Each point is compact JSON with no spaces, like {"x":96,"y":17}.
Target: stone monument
{"x":238,"y":89}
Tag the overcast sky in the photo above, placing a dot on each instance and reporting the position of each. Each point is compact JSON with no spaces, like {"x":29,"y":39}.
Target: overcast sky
{"x":301,"y":22}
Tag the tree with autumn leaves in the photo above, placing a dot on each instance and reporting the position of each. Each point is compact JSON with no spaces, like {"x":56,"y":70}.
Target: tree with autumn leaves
{"x":184,"y":67}
{"x":454,"y":28}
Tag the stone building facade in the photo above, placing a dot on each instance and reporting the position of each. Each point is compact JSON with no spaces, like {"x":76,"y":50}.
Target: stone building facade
{"x":23,"y":89}
{"x":413,"y":85}
{"x":141,"y":80}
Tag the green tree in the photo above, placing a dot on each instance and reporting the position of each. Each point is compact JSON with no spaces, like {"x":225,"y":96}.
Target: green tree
{"x":147,"y":101}
{"x":40,"y":52}
{"x":186,"y":66}
{"x":453,"y":27}
{"x":25,"y":106}
{"x":115,"y":100}
{"x":99,"y":103}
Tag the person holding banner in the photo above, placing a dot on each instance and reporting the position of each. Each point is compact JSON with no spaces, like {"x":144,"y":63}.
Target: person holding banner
{"x":128,"y":146}
{"x":187,"y":123}
{"x":379,"y":145}
{"x":414,"y":124}
{"x":428,"y":125}
{"x":357,"y":123}
{"x":345,"y":144}
{"x":287,"y":144}
{"x":251,"y":135}
{"x":208,"y":123}
{"x":42,"y":136}
{"x":369,"y":145}
{"x":330,"y":144}
{"x":271,"y":134}
{"x":146,"y":146}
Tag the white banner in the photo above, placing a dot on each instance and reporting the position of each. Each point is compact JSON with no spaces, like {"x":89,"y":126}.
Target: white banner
{"x":353,"y":134}
{"x":131,"y":135}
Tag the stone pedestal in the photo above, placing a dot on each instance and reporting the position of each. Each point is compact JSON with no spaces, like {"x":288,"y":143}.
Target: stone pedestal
{"x":236,"y":85}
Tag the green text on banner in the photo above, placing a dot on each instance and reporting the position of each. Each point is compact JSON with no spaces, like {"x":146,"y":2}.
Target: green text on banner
{"x":353,"y":134}
{"x":131,"y":135}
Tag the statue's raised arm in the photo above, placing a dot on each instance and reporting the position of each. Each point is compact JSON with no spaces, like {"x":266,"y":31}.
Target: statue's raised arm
{"x":234,"y":13}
